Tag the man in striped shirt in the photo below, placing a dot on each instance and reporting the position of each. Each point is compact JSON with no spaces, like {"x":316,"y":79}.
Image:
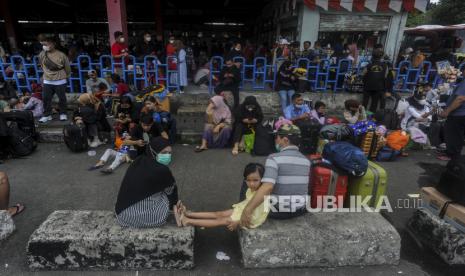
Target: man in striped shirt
{"x":286,"y":177}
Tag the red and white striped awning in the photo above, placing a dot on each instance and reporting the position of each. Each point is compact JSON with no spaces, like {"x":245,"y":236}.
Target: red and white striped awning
{"x":371,"y":5}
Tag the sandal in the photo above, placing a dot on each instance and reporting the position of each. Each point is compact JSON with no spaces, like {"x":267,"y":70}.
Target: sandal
{"x":199,"y":149}
{"x":19,"y":209}
{"x":443,"y":157}
{"x":95,"y":167}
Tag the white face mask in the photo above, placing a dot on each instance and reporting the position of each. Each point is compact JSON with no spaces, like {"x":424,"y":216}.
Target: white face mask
{"x":121,"y":40}
{"x":46,"y":48}
{"x":171,"y":41}
{"x":148,"y":38}
{"x":422,"y":102}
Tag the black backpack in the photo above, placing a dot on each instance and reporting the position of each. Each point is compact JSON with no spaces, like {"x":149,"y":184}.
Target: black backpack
{"x":452,"y":181}
{"x":264,"y":141}
{"x":75,"y":137}
{"x":388,"y":118}
{"x":20,"y":143}
{"x":309,"y":133}
{"x":24,"y":120}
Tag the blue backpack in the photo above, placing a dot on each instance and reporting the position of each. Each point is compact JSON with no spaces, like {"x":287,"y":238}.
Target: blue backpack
{"x":346,"y":157}
{"x":387,"y":154}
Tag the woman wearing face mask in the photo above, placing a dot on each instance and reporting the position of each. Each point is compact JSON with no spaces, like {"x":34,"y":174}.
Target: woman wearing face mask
{"x":248,"y":117}
{"x":217,"y":129}
{"x":148,"y":191}
{"x":418,"y":114}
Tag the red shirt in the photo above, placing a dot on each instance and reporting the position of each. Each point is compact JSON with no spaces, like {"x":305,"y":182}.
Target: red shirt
{"x":122,"y":89}
{"x":118,"y":49}
{"x":170,"y":51}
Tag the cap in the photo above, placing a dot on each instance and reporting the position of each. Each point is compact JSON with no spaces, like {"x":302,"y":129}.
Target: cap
{"x":288,"y":130}
{"x":284,"y":41}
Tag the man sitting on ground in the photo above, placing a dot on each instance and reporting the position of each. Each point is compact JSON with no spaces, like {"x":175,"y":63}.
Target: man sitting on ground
{"x":92,"y":84}
{"x":286,"y":176}
{"x":297,"y":111}
{"x":140,"y":134}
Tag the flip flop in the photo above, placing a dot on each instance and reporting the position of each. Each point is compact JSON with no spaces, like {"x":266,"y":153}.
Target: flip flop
{"x":199,"y":149}
{"x":19,"y":209}
{"x":177,"y":216}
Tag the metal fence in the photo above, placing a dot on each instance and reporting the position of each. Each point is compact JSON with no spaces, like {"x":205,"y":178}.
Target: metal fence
{"x":258,"y":75}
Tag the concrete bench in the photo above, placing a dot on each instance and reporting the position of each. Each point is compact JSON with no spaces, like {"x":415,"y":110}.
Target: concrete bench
{"x":7,"y":226}
{"x":438,"y":235}
{"x":321,"y":240}
{"x":81,"y":240}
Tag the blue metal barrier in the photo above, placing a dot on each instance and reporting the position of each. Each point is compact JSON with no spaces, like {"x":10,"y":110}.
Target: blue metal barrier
{"x":259,"y":74}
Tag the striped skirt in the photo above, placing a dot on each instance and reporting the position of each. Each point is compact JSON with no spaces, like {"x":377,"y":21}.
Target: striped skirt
{"x":152,"y":211}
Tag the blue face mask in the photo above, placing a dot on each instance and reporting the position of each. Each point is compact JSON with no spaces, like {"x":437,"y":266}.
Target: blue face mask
{"x":164,"y":158}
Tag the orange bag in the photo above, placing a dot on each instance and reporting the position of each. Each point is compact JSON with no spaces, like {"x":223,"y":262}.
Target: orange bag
{"x":397,"y":140}
{"x":118,"y":141}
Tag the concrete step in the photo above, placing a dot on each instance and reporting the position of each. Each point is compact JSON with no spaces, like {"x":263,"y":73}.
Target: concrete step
{"x":321,"y":239}
{"x":83,"y":240}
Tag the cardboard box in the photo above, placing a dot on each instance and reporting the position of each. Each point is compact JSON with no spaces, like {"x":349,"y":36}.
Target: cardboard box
{"x":432,"y":200}
{"x":455,"y":215}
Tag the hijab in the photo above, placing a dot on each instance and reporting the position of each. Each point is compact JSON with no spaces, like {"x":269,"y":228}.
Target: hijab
{"x":221,"y":111}
{"x":89,"y":99}
{"x":250,"y":109}
{"x":144,"y":177}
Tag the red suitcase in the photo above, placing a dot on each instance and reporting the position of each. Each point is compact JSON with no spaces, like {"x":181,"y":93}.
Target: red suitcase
{"x":325,"y":180}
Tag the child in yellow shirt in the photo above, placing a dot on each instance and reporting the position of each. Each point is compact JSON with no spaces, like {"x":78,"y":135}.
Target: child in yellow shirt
{"x":230,"y":218}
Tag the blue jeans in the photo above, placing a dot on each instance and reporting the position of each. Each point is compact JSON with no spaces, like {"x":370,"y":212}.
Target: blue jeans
{"x":286,"y":96}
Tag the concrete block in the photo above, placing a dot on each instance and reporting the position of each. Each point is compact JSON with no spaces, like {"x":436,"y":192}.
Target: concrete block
{"x":438,"y":235}
{"x":51,"y":135}
{"x":83,"y":240}
{"x":7,"y":226}
{"x":321,"y":240}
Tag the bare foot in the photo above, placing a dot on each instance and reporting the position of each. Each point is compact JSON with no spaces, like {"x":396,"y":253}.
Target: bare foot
{"x":177,"y":216}
{"x":184,"y":220}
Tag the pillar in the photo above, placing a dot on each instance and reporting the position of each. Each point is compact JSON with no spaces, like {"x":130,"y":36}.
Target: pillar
{"x":395,"y":34}
{"x":116,"y":12}
{"x":10,"y":25}
{"x":158,"y":17}
{"x":308,"y":25}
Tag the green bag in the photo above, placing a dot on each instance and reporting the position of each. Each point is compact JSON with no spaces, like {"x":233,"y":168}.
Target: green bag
{"x":249,"y":141}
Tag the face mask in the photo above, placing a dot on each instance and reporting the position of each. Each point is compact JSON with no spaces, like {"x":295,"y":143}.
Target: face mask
{"x":121,"y":40}
{"x":164,"y":158}
{"x":171,"y":41}
{"x":237,"y":49}
{"x":422,"y":102}
{"x":299,"y":106}
{"x":148,"y":38}
{"x":46,"y":48}
{"x":277,"y":147}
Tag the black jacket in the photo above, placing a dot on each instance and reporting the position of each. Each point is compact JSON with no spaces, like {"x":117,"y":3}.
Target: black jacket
{"x":8,"y":91}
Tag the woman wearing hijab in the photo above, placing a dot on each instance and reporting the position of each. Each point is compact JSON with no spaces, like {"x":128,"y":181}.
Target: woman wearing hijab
{"x":217,"y":129}
{"x":248,"y":117}
{"x":148,"y":191}
{"x":91,"y":113}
